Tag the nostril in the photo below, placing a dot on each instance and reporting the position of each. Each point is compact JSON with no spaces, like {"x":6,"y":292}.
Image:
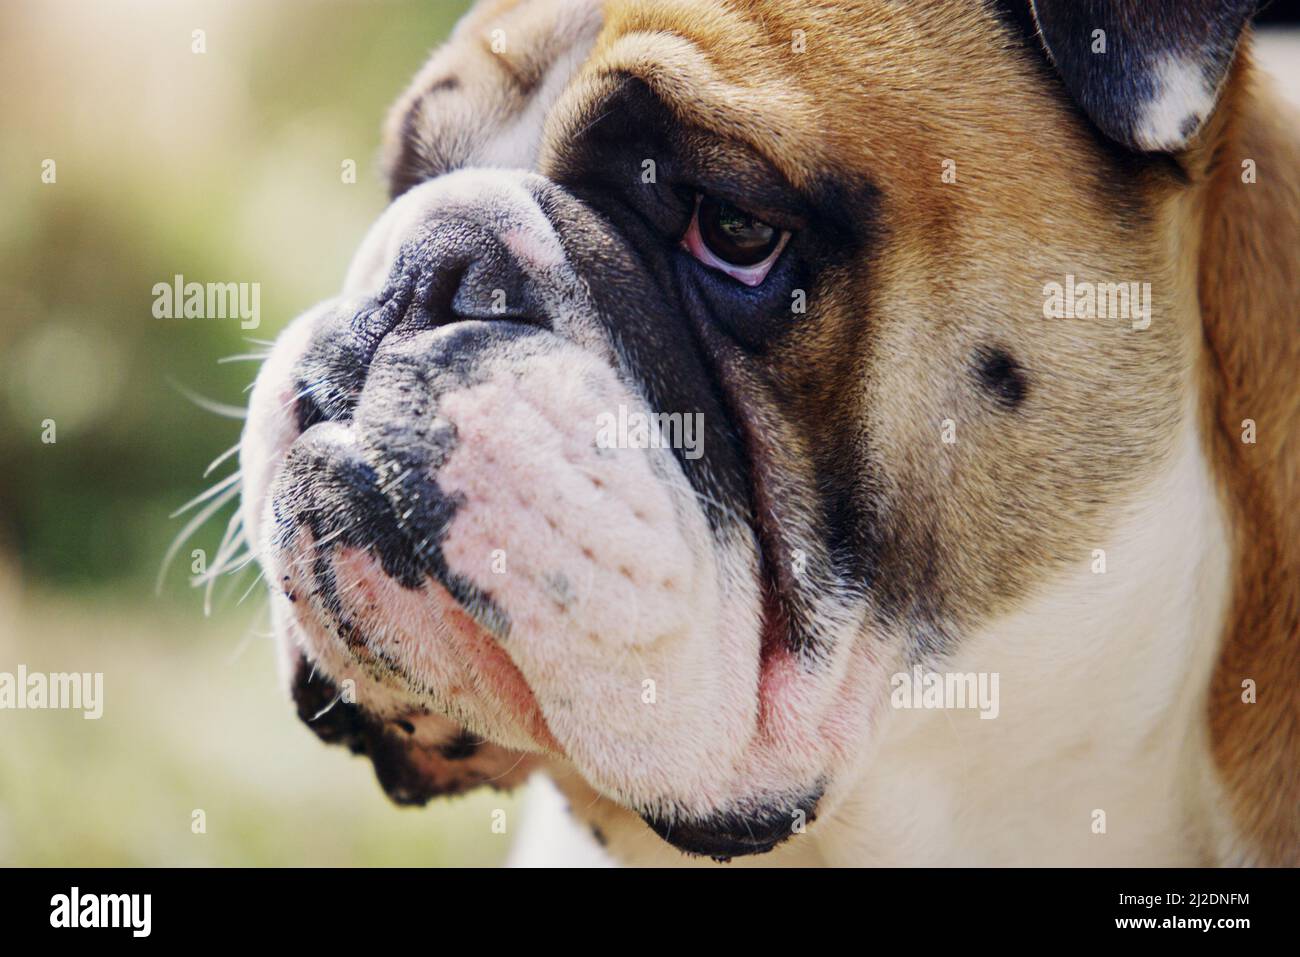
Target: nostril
{"x":493,"y":286}
{"x":435,"y":297}
{"x":454,"y":272}
{"x":326,"y":396}
{"x":308,"y":411}
{"x":465,"y":272}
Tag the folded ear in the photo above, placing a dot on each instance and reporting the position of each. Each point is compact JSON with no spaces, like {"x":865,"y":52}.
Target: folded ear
{"x":1147,"y":72}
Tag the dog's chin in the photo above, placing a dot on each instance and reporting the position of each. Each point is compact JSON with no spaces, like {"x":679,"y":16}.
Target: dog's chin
{"x":725,"y":834}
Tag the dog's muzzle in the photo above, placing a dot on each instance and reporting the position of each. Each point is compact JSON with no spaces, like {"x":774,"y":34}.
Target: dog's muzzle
{"x":444,"y":531}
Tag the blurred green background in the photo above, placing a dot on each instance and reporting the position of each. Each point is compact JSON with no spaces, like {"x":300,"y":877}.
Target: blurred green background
{"x":223,"y":166}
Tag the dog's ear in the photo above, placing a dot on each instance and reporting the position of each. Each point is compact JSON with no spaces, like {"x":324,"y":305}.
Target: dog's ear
{"x":1147,"y":72}
{"x":417,"y":756}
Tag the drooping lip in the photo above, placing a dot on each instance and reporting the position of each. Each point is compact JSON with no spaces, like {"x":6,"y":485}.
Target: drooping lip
{"x":495,"y":678}
{"x":497,"y":674}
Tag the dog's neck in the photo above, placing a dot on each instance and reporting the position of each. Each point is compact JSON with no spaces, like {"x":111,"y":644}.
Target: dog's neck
{"x":1248,"y":283}
{"x":1099,"y":751}
{"x":1126,"y":732}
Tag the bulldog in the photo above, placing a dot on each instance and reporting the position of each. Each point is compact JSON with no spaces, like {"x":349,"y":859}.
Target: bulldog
{"x":836,"y":237}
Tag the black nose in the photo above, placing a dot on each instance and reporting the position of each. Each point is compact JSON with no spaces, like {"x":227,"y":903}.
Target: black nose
{"x":448,"y":272}
{"x":462,"y":271}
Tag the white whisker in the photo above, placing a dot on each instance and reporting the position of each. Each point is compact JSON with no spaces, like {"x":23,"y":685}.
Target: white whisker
{"x":219,"y":459}
{"x":190,"y":528}
{"x":210,"y":405}
{"x":204,"y":496}
{"x":225,"y":568}
{"x":257,"y":580}
{"x":231,"y":539}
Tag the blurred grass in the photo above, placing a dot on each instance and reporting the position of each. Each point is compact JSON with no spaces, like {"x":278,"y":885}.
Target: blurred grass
{"x":221,"y":166}
{"x":194,"y":723}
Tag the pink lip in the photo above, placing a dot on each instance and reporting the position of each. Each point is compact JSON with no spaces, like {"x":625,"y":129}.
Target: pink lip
{"x":494,"y":668}
{"x":467,"y":665}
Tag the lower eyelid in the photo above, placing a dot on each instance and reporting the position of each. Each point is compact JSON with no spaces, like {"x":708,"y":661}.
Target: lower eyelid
{"x":749,"y":275}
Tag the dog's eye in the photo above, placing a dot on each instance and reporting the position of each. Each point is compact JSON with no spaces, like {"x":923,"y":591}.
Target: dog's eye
{"x":726,"y":238}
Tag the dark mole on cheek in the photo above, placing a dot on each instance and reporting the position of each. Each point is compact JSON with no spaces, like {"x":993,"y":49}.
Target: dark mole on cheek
{"x":1001,"y":376}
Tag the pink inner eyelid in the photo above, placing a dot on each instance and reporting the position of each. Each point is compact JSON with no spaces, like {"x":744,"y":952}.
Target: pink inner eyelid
{"x":749,"y":275}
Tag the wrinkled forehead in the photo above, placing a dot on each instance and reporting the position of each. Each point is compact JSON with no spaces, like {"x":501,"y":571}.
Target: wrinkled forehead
{"x":887,"y":93}
{"x":826,"y":90}
{"x":724,"y":70}
{"x":813,"y":98}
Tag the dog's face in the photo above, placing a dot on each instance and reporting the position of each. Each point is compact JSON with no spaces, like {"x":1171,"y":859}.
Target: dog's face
{"x":818,"y":240}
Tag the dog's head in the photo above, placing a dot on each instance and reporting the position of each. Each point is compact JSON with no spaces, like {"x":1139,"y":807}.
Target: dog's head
{"x":698,"y":378}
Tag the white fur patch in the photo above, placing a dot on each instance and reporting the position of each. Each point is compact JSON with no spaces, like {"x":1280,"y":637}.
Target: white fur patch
{"x":1183,"y":101}
{"x":549,"y":836}
{"x":272,"y":423}
{"x":1099,"y":754}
